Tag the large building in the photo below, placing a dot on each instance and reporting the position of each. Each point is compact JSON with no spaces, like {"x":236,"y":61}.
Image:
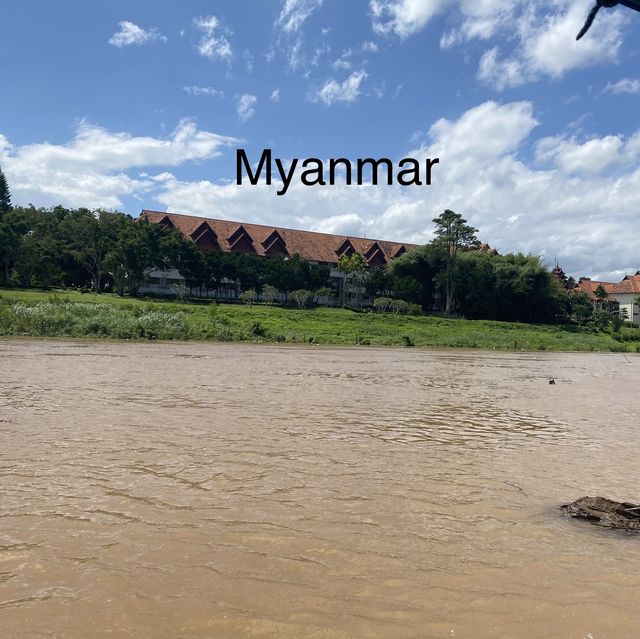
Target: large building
{"x":625,"y":292}
{"x":212,"y":234}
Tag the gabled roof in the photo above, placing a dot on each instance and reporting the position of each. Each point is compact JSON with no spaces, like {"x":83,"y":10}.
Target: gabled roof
{"x":166,"y":222}
{"x":269,"y":240}
{"x":241,"y":240}
{"x":274,"y":244}
{"x":346,"y":248}
{"x":205,"y":237}
{"x":401,"y":250}
{"x":375,"y":255}
{"x":630,"y":284}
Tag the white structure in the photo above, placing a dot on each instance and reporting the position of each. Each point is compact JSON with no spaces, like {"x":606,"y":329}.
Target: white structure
{"x":626,"y":293}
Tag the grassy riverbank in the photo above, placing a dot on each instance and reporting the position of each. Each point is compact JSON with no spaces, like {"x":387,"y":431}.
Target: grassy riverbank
{"x":63,"y":314}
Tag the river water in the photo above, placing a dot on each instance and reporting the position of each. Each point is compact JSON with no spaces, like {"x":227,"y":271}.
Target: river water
{"x":223,"y":491}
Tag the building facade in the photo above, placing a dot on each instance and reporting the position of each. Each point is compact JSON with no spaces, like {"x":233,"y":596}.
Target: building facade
{"x":625,"y":292}
{"x":211,"y":234}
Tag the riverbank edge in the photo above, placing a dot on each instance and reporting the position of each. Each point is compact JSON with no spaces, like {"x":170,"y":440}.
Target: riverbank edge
{"x":64,"y":315}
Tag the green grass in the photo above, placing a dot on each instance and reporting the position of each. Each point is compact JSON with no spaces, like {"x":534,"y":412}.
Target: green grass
{"x":71,"y":314}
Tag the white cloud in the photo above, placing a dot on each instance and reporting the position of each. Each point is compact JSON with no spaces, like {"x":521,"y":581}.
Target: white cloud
{"x":544,"y":43}
{"x":403,"y":17}
{"x":275,"y":95}
{"x":294,"y":54}
{"x":482,"y":20}
{"x":517,"y":205}
{"x":369,"y":46}
{"x":486,"y":131}
{"x":551,"y":48}
{"x":91,"y":170}
{"x":565,"y":200}
{"x":593,"y":156}
{"x":294,"y":13}
{"x":131,"y":33}
{"x":347,"y":91}
{"x":246,"y":106}
{"x":344,"y":61}
{"x":247,"y":56}
{"x":199,"y":91}
{"x":213,"y":44}
{"x":626,"y":85}
{"x":500,"y":73}
{"x":531,"y":38}
{"x":319,"y":53}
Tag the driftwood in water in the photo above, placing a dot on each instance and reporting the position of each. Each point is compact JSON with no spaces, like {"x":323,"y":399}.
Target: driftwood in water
{"x":605,"y":512}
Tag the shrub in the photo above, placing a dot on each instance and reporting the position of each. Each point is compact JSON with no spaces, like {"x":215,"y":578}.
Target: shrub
{"x":382,"y":304}
{"x":257,"y":329}
{"x":399,"y":306}
{"x":301,"y":297}
{"x":326,"y":293}
{"x":249,"y":297}
{"x":270,"y":294}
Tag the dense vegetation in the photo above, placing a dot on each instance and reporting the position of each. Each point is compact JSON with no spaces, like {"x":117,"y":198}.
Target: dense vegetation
{"x":104,"y":251}
{"x":72,"y":314}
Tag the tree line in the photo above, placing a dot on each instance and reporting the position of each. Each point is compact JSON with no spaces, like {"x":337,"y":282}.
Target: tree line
{"x":103,"y":250}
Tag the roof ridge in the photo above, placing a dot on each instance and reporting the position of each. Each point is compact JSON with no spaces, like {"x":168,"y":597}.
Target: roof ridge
{"x":281,"y":228}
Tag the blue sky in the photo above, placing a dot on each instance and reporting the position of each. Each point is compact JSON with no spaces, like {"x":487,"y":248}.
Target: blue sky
{"x":124,"y":105}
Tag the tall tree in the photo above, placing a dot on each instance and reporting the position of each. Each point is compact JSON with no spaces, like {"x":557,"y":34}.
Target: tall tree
{"x":413,"y":275}
{"x":5,"y":195}
{"x":601,"y":295}
{"x":453,"y":233}
{"x":353,"y":269}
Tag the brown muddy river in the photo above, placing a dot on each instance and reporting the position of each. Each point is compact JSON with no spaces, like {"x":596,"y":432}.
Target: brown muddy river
{"x":225,"y":491}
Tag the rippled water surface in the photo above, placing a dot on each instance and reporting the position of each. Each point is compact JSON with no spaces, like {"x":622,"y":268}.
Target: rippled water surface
{"x":223,"y":491}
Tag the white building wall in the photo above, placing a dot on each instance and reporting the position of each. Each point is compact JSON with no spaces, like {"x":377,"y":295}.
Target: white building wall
{"x":627,"y":302}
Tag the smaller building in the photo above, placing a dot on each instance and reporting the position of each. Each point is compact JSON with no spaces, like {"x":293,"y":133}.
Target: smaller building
{"x":625,"y":293}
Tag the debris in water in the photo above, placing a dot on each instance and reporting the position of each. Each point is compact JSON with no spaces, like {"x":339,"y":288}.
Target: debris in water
{"x":605,"y":512}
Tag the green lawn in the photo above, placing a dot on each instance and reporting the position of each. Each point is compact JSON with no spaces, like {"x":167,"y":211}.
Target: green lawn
{"x":71,"y":314}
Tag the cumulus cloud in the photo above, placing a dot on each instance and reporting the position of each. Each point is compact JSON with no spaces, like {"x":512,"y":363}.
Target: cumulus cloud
{"x":403,"y":17}
{"x":501,"y":73}
{"x":275,"y":95}
{"x":347,"y":91}
{"x":131,"y":33}
{"x":543,"y":43}
{"x":550,"y":47}
{"x":213,"y":44}
{"x":92,"y":169}
{"x":572,"y":198}
{"x":246,"y":106}
{"x":592,"y":156}
{"x":626,"y":85}
{"x":527,"y":39}
{"x":561,"y":201}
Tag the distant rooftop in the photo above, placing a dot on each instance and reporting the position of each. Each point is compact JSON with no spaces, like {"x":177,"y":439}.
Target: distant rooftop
{"x":225,"y":235}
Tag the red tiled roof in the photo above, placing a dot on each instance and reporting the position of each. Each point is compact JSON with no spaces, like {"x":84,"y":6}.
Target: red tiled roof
{"x":271,"y":240}
{"x":629,"y":284}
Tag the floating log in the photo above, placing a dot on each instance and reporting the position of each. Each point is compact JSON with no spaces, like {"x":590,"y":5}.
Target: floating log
{"x":605,"y":512}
